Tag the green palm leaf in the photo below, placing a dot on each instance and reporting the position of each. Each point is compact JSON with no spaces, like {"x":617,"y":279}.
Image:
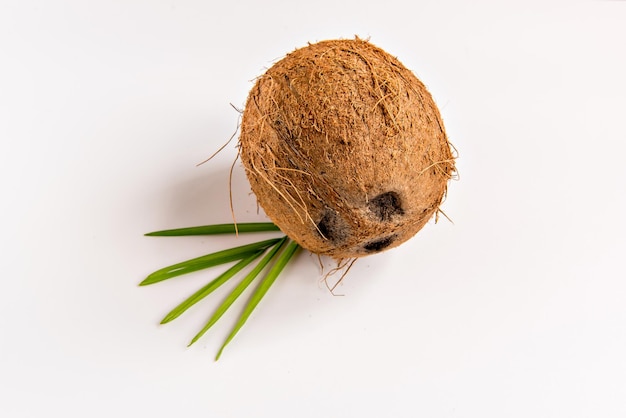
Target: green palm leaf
{"x":216,"y":229}
{"x":237,"y":291}
{"x":209,"y":260}
{"x":209,"y":288}
{"x":260,"y":291}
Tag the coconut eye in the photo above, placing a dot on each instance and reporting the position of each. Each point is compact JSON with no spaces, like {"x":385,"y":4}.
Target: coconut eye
{"x":332,"y":227}
{"x":385,"y":206}
{"x":379,"y":244}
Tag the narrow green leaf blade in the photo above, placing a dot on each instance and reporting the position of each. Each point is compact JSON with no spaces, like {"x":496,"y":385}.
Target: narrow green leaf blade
{"x":209,"y":288}
{"x":239,"y":289}
{"x":261,"y":290}
{"x":209,"y":260}
{"x":216,"y":229}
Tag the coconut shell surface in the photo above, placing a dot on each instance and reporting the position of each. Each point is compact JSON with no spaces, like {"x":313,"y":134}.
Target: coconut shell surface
{"x":345,"y":149}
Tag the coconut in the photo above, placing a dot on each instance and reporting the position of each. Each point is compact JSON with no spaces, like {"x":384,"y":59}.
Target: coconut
{"x":345,"y":149}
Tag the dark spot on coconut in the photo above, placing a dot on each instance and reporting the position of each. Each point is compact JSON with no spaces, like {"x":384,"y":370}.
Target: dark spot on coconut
{"x":386,"y":205}
{"x":332,"y":227}
{"x":379,"y":244}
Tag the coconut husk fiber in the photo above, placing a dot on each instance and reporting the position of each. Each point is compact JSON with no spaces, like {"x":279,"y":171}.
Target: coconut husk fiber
{"x":345,"y":148}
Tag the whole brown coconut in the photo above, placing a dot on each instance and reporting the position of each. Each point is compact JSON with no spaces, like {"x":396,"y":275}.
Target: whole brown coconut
{"x":345,"y":149}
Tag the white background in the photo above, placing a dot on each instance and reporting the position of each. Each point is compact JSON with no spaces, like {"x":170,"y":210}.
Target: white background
{"x":518,"y":309}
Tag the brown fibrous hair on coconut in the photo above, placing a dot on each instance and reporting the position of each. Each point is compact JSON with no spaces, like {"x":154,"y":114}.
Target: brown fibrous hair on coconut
{"x":345,"y":148}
